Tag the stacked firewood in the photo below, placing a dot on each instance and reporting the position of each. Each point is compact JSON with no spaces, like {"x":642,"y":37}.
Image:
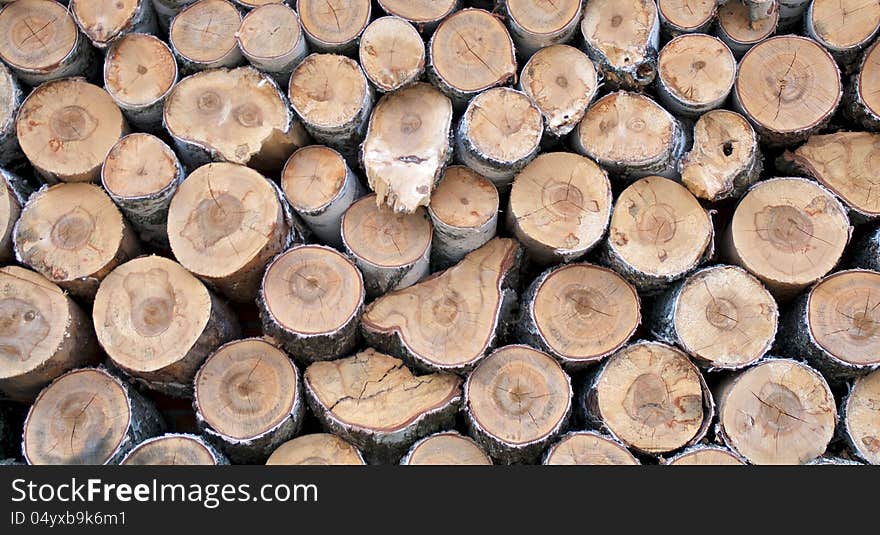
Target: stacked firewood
{"x":446,"y":232}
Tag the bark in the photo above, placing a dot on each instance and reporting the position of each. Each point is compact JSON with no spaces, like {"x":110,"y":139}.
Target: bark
{"x":12,"y":96}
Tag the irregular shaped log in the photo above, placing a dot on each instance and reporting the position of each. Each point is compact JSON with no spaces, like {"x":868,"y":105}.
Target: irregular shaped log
{"x":316,"y":449}
{"x":104,"y":21}
{"x":738,"y":31}
{"x":536,"y":24}
{"x":202,"y":36}
{"x":376,"y":403}
{"x":272,"y":40}
{"x":862,"y":99}
{"x":392,"y":54}
{"x":334,"y":26}
{"x":861,"y":418}
{"x":425,"y":14}
{"x":622,"y":37}
{"x":10,"y":100}
{"x":695,"y":74}
{"x":447,"y":448}
{"x":844,"y":27}
{"x":588,"y":448}
{"x":174,"y":449}
{"x":452,"y":320}
{"x":705,"y":456}
{"x":686,"y":16}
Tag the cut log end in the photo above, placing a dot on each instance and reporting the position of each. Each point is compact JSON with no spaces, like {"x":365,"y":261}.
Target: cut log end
{"x":103,"y":22}
{"x":863,"y":94}
{"x":588,"y":448}
{"x":318,"y":449}
{"x":139,"y":165}
{"x":739,"y":32}
{"x":139,"y":72}
{"x":334,"y":25}
{"x":622,"y":37}
{"x":10,"y":209}
{"x":392,"y":53}
{"x":686,"y":16}
{"x":202,"y":35}
{"x":446,"y":449}
{"x":831,"y":23}
{"x":272,"y":39}
{"x":861,"y":417}
{"x":174,"y":450}
{"x":706,"y":456}
{"x":538,"y":24}
{"x":58,"y":35}
{"x":696,"y":73}
{"x":424,"y":13}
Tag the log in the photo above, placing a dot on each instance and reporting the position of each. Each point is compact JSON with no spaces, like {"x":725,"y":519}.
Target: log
{"x":705,"y":456}
{"x":622,"y":37}
{"x":271,"y":39}
{"x":844,"y":27}
{"x":202,"y":36}
{"x":721,"y":316}
{"x":536,"y":24}
{"x":499,"y":133}
{"x":392,"y":250}
{"x":105,"y":21}
{"x":67,"y":127}
{"x":407,"y":146}
{"x":14,"y":193}
{"x":659,"y":234}
{"x":311,"y":301}
{"x":158,"y":323}
{"x":788,"y":87}
{"x":43,"y":334}
{"x":579,"y":314}
{"x":334,"y":26}
{"x":738,"y":31}
{"x":175,"y":449}
{"x":166,"y":10}
{"x":559,"y":207}
{"x":447,"y":448}
{"x":791,"y":14}
{"x":778,"y":412}
{"x":834,"y":326}
{"x":139,"y":72}
{"x":332,"y":98}
{"x":39,"y":42}
{"x":760,"y":9}
{"x":320,"y":187}
{"x":843,"y":162}
{"x":695,"y":74}
{"x":631,"y":136}
{"x":678,"y":17}
{"x":862,"y":99}
{"x":87,"y":417}
{"x":833,"y":461}
{"x":513,"y":382}
{"x":425,"y":14}
{"x":74,"y":236}
{"x":468,"y":53}
{"x":650,"y":397}
{"x":562,"y":82}
{"x":788,"y":232}
{"x":316,"y":449}
{"x":588,"y":448}
{"x":392,"y":54}
{"x":225,"y":223}
{"x":10,"y":100}
{"x":234,"y":115}
{"x":451,"y":321}
{"x":861,"y":424}
{"x":725,"y":159}
{"x":376,"y":403}
{"x":248,"y":399}
{"x":464,"y":214}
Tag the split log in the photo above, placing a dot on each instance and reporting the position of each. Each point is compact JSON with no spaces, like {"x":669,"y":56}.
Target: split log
{"x":452,"y":320}
{"x":235,"y":115}
{"x":622,"y":37}
{"x":650,"y":397}
{"x":514,"y":382}
{"x":561,"y":81}
{"x":39,"y":42}
{"x":248,"y":399}
{"x":407,"y":146}
{"x":578,"y":314}
{"x":202,"y":36}
{"x":166,"y":10}
{"x":536,"y":24}
{"x":788,"y":232}
{"x":686,"y":16}
{"x":695,"y":74}
{"x":158,"y":323}
{"x":311,"y":301}
{"x":778,"y":412}
{"x":225,"y":223}
{"x":631,"y":136}
{"x":725,"y":158}
{"x":332,"y":98}
{"x":87,"y":417}
{"x":67,"y":127}
{"x":14,"y":194}
{"x":74,"y":236}
{"x":334,"y":26}
{"x":559,"y":207}
{"x":175,"y":449}
{"x":425,"y":14}
{"x":43,"y":334}
{"x":791,"y":14}
{"x":721,"y":316}
{"x":320,"y":187}
{"x":464,"y":214}
{"x":738,"y":31}
{"x":845,"y":163}
{"x":392,"y":250}
{"x":834,"y":326}
{"x":376,"y":403}
{"x":861,"y":418}
{"x":588,"y":448}
{"x":447,"y":448}
{"x":316,"y":449}
{"x":105,"y":21}
{"x":862,"y":99}
{"x":499,"y":133}
{"x":844,"y":27}
{"x":139,"y":72}
{"x":788,"y":87}
{"x":392,"y":54}
{"x":659,"y":234}
{"x":272,"y":40}
{"x":470,"y":52}
{"x":10,"y":100}
{"x":705,"y":456}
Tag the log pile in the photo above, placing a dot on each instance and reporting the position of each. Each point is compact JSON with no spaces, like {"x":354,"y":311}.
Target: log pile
{"x":411,"y":232}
